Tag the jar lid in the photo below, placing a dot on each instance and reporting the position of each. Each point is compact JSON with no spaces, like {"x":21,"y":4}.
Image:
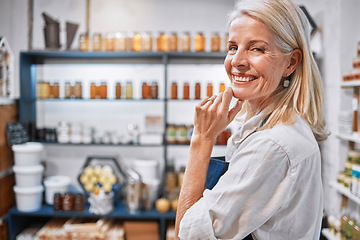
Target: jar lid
{"x":28,"y":147}
{"x":28,"y":190}
{"x":57,"y":181}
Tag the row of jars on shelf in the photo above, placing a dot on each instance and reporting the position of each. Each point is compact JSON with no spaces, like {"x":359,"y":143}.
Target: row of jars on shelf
{"x":354,"y":74}
{"x":149,"y":90}
{"x":137,"y":42}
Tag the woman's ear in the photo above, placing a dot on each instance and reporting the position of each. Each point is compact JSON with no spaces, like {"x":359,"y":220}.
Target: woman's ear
{"x":295,"y":59}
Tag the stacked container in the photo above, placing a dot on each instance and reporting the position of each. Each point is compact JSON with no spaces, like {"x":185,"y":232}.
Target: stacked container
{"x":28,"y":176}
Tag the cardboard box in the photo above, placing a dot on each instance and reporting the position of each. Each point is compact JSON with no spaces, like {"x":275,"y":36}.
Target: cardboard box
{"x":9,"y":113}
{"x":139,"y":230}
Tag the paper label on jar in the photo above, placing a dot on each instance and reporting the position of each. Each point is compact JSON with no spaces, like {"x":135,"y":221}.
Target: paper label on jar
{"x":355,"y":104}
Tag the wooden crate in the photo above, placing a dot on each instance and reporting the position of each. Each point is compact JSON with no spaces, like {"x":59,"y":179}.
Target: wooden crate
{"x":7,"y":195}
{"x":8,"y":113}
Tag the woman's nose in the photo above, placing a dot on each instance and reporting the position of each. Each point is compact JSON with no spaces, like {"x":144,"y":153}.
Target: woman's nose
{"x":240,"y":60}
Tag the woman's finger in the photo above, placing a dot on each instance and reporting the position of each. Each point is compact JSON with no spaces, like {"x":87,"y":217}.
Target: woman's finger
{"x":228,"y":94}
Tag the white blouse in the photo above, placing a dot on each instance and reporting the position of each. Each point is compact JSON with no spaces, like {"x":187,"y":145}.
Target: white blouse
{"x":272,"y":188}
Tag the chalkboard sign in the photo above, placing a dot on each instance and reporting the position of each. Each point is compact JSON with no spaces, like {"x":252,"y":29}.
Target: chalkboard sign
{"x":16,"y":134}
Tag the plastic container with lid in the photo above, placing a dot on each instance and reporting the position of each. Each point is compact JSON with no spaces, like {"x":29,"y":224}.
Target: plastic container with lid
{"x":27,"y":154}
{"x":28,"y":176}
{"x":28,"y":199}
{"x":55,"y":184}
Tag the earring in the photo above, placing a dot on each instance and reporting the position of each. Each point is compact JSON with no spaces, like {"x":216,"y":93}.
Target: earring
{"x":286,"y":83}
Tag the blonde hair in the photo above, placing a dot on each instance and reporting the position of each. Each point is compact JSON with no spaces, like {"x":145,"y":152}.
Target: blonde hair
{"x":304,"y":96}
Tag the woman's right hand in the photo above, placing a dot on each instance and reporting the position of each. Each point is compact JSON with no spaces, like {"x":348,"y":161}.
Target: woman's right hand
{"x":212,"y":117}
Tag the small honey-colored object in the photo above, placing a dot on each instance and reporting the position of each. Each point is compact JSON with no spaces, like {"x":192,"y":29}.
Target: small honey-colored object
{"x":162,"y":205}
{"x":109,"y":42}
{"x":200,"y":42}
{"x":54,"y":90}
{"x":147,"y":42}
{"x":136,"y":42}
{"x":78,"y":90}
{"x":222,"y":87}
{"x":197,"y":91}
{"x":162,"y":42}
{"x":84,"y":42}
{"x":120,"y":42}
{"x":45,"y":90}
{"x":129,"y":90}
{"x":174,"y":91}
{"x":118,"y":90}
{"x":215,"y":42}
{"x":97,"y":42}
{"x":186,"y":91}
{"x":186,"y":42}
{"x":68,"y":90}
{"x":209,"y":90}
{"x":84,"y":178}
{"x":93,"y":90}
{"x":173,"y":42}
{"x":103,"y":90}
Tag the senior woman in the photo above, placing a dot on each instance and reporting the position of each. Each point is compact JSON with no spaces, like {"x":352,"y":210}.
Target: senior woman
{"x":272,"y":188}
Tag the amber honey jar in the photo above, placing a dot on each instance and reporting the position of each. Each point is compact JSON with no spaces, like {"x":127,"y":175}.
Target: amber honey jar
{"x":68,"y":90}
{"x":136,"y":42}
{"x":186,"y":42}
{"x":118,"y":90}
{"x":173,"y":91}
{"x":147,"y":42}
{"x":145,"y":91}
{"x":215,"y":42}
{"x":68,"y":201}
{"x":109,"y":42}
{"x":129,"y":90}
{"x":45,"y":90}
{"x":186,"y":91}
{"x":97,"y":42}
{"x":197,"y":91}
{"x":162,"y":42}
{"x":209,"y":90}
{"x":58,"y":200}
{"x":93,"y":90}
{"x":173,"y":42}
{"x":84,"y":42}
{"x":120,"y":42}
{"x":54,"y":90}
{"x":154,"y":90}
{"x":77,"y":90}
{"x":103,"y":90}
{"x":79,"y":202}
{"x":200,"y":42}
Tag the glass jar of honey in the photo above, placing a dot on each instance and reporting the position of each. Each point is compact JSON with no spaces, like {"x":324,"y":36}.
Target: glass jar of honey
{"x":173,"y":92}
{"x":93,"y":90}
{"x":103,"y":90}
{"x":109,"y":42}
{"x":186,"y":42}
{"x":68,"y":90}
{"x":145,"y":91}
{"x":79,"y":202}
{"x":162,"y":42}
{"x":129,"y":90}
{"x":197,"y":91}
{"x":120,"y":42}
{"x":147,"y":42}
{"x":45,"y":90}
{"x":154,"y":92}
{"x":136,"y":42}
{"x":68,"y":201}
{"x":84,"y":42}
{"x":186,"y":91}
{"x":209,"y":90}
{"x":173,"y":42}
{"x":215,"y":42}
{"x":222,"y":87}
{"x":78,"y":90}
{"x":97,"y":42}
{"x":118,"y":90}
{"x":200,"y":42}
{"x":58,"y":200}
{"x":54,"y":90}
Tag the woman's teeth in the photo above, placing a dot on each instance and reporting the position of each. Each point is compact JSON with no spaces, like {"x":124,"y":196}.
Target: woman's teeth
{"x":243,"y":79}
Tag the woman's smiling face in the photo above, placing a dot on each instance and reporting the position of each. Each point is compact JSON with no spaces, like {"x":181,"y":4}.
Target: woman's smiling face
{"x":254,"y":63}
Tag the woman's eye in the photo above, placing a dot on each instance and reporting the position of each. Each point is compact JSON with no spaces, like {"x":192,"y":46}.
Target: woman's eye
{"x":258,"y":50}
{"x":232,"y":48}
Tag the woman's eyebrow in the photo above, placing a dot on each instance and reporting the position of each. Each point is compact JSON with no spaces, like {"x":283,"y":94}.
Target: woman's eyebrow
{"x":258,"y":41}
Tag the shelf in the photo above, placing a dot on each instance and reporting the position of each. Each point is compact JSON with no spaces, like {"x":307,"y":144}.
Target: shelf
{"x":349,"y":84}
{"x":348,"y":137}
{"x":329,"y":235}
{"x":119,"y":212}
{"x":345,"y":191}
{"x":94,"y":100}
{"x":102,"y":144}
{"x":6,"y":101}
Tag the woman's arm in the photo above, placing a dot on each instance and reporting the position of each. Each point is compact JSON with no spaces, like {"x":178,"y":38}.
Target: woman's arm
{"x":211,"y":118}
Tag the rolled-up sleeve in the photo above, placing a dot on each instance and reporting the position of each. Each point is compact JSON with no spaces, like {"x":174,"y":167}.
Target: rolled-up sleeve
{"x":253,"y":189}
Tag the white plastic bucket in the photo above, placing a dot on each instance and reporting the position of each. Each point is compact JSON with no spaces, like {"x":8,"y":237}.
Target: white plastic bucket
{"x":27,"y":154}
{"x":55,"y":184}
{"x":28,"y":199}
{"x":148,"y":169}
{"x":28,"y":176}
